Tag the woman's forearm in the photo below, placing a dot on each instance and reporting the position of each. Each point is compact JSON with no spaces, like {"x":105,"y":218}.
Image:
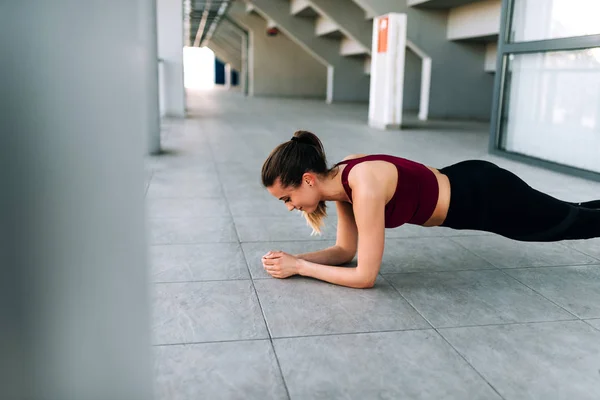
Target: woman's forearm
{"x":333,"y":255}
{"x":344,"y":276}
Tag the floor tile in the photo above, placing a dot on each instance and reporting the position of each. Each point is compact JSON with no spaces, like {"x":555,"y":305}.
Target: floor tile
{"x":192,"y":230}
{"x":244,"y":187}
{"x":265,"y":205}
{"x":185,"y":185}
{"x":409,"y":230}
{"x":231,"y":370}
{"x":506,"y":253}
{"x":474,"y":298}
{"x":577,"y":289}
{"x":270,"y":229}
{"x":300,"y":306}
{"x":187,"y":208}
{"x":448,"y":232}
{"x":590,"y":247}
{"x":388,"y":365}
{"x":255,"y":250}
{"x":186,"y":166}
{"x":218,"y":153}
{"x":200,"y":262}
{"x":428,"y":254}
{"x":257,"y":206}
{"x":180,"y":163}
{"x":558,"y":360}
{"x":594,"y":322}
{"x":206,"y":311}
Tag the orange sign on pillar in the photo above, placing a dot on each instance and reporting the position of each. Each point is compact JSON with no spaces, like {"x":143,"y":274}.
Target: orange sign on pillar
{"x":382,"y":35}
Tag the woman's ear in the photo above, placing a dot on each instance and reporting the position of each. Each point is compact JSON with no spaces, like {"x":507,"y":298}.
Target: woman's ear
{"x":308,"y":178}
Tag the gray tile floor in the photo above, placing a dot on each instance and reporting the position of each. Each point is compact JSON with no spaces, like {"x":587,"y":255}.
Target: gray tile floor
{"x":453,"y":315}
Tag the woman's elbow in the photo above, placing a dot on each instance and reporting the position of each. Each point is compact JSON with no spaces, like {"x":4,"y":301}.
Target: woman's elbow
{"x":366,"y":282}
{"x":347,"y":256}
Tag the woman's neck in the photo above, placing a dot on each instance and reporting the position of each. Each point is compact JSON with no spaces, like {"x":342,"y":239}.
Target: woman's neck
{"x":332,"y":188}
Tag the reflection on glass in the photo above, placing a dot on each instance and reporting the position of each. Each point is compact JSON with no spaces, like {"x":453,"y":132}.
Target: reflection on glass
{"x":550,"y":19}
{"x":551,"y":107}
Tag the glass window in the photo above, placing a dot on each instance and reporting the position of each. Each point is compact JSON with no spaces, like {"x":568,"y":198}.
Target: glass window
{"x":551,"y":19}
{"x":551,"y":107}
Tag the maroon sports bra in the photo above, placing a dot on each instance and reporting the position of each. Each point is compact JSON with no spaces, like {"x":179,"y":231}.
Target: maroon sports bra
{"x":416,"y":194}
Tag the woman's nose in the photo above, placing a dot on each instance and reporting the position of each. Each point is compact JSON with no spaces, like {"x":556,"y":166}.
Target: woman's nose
{"x":290,"y":207}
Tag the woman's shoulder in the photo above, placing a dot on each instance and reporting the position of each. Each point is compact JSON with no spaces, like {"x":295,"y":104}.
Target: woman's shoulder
{"x":362,"y":174}
{"x":353,"y":156}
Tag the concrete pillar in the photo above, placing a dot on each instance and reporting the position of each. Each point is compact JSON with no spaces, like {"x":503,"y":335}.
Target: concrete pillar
{"x":460,"y":88}
{"x":387,"y":71}
{"x":227,"y":76}
{"x":340,"y":69}
{"x":74,"y":310}
{"x":244,"y":70}
{"x":149,"y":37}
{"x":170,"y":50}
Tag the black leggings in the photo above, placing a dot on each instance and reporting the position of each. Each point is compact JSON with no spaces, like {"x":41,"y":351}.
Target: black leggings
{"x":488,"y":198}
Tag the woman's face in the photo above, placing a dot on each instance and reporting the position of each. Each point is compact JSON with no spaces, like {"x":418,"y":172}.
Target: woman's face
{"x":304,"y":197}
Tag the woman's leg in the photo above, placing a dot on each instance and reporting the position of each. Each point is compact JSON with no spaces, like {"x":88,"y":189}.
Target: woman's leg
{"x":594,"y":204}
{"x":502,"y":203}
{"x":520,"y":212}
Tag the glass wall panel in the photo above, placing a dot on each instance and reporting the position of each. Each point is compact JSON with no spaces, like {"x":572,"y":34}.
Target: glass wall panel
{"x":551,"y":19}
{"x":551,"y":107}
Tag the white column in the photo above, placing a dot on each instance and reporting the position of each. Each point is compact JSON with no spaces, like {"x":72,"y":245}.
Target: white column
{"x":387,"y":71}
{"x":228,"y":76}
{"x":74,"y":310}
{"x":245,"y":61}
{"x":149,"y":40}
{"x":170,"y":50}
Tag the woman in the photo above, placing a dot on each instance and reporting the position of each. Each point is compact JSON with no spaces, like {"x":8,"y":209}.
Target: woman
{"x":374,"y":192}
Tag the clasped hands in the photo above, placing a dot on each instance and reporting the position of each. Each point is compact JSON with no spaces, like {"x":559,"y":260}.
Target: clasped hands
{"x":280,"y":264}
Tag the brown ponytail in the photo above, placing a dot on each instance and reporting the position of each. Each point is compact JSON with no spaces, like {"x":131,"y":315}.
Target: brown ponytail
{"x":289,"y":161}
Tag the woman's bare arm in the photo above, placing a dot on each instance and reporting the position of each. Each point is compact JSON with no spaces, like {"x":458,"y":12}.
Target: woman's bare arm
{"x":369,"y":211}
{"x":345,"y":247}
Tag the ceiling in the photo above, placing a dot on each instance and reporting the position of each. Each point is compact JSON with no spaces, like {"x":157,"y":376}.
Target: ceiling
{"x":202,"y":18}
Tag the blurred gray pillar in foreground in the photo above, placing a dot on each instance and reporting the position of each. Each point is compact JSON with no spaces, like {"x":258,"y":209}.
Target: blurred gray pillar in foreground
{"x":74,"y":312}
{"x":149,"y":41}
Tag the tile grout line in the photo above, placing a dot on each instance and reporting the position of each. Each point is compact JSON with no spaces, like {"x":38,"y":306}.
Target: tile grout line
{"x":581,"y":251}
{"x":319,"y":335}
{"x":541,"y":295}
{"x":193,"y":243}
{"x":588,"y":323}
{"x":493,"y":268}
{"x":210,"y":342}
{"x":444,"y":339}
{"x":509,"y":323}
{"x":407,"y":301}
{"x":435,"y":271}
{"x":469,"y":364}
{"x":466,"y":326}
{"x":199,"y":281}
{"x":267,"y":326}
{"x":148,"y":186}
{"x":473,"y":253}
{"x":528,"y":266}
{"x":576,"y":317}
{"x":252,"y":280}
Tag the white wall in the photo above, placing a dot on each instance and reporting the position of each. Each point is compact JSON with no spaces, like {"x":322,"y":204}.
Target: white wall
{"x":474,"y":20}
{"x":277,"y":65}
{"x":282,"y":68}
{"x":491,"y":54}
{"x":170,"y":50}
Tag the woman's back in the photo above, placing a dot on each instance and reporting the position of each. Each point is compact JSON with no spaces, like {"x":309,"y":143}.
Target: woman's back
{"x":411,"y":188}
